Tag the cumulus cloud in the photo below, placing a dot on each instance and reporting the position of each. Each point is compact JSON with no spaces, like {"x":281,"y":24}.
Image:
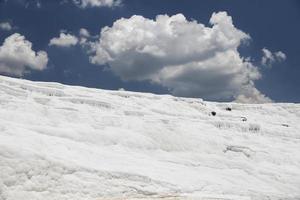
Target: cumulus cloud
{"x":97,"y":3}
{"x":187,"y":57}
{"x":84,"y":33}
{"x":251,"y":95}
{"x":270,"y":58}
{"x":6,"y":26}
{"x":17,"y":56}
{"x":64,"y":40}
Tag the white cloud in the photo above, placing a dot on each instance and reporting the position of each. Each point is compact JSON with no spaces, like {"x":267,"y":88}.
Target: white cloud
{"x":6,"y":26}
{"x":17,"y":56}
{"x":187,"y":57}
{"x":97,"y":3}
{"x":280,"y":56}
{"x":251,"y":95}
{"x":270,"y":58}
{"x":84,"y":33}
{"x":64,"y":40}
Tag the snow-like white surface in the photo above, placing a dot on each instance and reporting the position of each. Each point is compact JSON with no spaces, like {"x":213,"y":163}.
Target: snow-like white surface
{"x":66,"y":142}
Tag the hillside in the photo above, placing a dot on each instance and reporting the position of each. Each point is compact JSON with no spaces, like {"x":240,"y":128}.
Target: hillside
{"x":67,"y":142}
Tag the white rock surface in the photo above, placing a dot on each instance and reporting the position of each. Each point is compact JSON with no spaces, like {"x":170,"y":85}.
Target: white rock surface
{"x":67,"y":142}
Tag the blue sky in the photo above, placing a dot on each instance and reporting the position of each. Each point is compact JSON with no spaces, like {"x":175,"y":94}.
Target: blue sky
{"x":160,"y":64}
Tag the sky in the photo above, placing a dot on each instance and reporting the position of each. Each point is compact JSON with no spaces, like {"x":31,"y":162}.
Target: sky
{"x":244,"y":51}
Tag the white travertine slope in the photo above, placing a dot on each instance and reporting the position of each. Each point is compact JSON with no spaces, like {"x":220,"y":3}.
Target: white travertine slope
{"x":67,"y":142}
